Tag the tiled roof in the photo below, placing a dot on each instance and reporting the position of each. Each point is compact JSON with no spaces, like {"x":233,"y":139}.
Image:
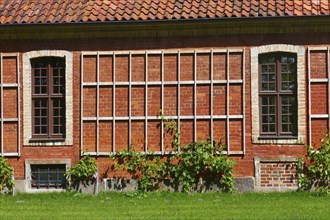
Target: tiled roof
{"x":77,"y":11}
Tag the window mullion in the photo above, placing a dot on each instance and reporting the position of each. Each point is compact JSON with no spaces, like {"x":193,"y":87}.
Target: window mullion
{"x":49,"y":105}
{"x":278,"y":99}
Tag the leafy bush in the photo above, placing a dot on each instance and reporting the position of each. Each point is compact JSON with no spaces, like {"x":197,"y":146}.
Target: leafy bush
{"x":196,"y":163}
{"x":147,"y":168}
{"x":314,"y":172}
{"x":203,"y":161}
{"x":83,"y":171}
{"x":6,"y":176}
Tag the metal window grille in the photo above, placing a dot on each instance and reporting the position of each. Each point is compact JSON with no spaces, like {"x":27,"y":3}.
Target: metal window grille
{"x":147,"y":84}
{"x":48,"y":176}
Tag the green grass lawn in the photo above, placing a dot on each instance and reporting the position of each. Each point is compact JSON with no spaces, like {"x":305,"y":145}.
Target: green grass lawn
{"x":164,"y":205}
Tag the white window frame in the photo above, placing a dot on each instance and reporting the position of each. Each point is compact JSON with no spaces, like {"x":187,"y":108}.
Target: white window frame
{"x":27,"y":100}
{"x":301,"y":93}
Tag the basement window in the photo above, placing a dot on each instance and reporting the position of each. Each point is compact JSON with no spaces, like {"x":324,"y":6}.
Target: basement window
{"x":48,"y":176}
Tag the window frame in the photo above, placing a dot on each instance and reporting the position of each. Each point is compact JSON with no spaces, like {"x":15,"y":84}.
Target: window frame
{"x":301,"y":94}
{"x":28,"y":138}
{"x":278,"y":93}
{"x":49,"y":96}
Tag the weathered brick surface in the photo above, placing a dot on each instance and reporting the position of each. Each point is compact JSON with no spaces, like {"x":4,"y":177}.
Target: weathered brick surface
{"x":319,"y":98}
{"x":244,"y":167}
{"x":278,"y":175}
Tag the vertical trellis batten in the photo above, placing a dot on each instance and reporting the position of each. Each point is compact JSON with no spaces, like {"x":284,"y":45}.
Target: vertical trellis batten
{"x":97,"y":103}
{"x":162,"y":107}
{"x":227,"y":102}
{"x":309,"y":98}
{"x":179,"y":94}
{"x":130,"y":100}
{"x":114,"y":103}
{"x":244,"y":106}
{"x":146,"y":104}
{"x":211,"y":95}
{"x":82,"y":105}
{"x":1,"y":105}
{"x":328,"y":60}
{"x":195,"y":95}
{"x":18,"y":107}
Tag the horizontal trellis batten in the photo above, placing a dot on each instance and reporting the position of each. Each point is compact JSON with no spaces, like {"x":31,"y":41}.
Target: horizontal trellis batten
{"x":10,"y":82}
{"x":318,"y":79}
{"x":122,"y":84}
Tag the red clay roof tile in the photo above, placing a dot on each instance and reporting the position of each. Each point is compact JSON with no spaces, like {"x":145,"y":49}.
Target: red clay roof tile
{"x":76,"y":11}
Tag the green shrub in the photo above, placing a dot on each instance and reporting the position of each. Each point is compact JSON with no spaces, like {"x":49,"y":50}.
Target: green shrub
{"x":83,"y":171}
{"x":193,"y":164}
{"x":147,"y":168}
{"x":314,"y":169}
{"x":203,"y":161}
{"x":6,"y":176}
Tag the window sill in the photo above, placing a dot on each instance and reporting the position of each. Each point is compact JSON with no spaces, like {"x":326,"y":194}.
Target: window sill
{"x":265,"y":137}
{"x":289,"y":140}
{"x":47,"y":140}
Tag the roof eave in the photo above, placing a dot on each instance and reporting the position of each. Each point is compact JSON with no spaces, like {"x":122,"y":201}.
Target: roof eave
{"x":168,"y":28}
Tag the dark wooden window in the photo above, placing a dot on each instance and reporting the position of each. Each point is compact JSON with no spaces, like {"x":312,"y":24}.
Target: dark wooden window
{"x":48,"y":98}
{"x":48,"y":176}
{"x":278,"y":95}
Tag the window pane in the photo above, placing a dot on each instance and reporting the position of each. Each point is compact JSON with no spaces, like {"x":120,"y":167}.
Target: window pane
{"x":271,"y":68}
{"x":44,"y":130}
{"x":272,"y":87}
{"x":264,"y":78}
{"x":264,"y":68}
{"x":268,"y":114}
{"x":272,"y":128}
{"x":271,"y":118}
{"x":289,"y":114}
{"x":264,"y":128}
{"x":58,"y":80}
{"x":288,"y":70}
{"x":264,"y":119}
{"x":284,"y":68}
{"x":264,"y":87}
{"x":285,"y":128}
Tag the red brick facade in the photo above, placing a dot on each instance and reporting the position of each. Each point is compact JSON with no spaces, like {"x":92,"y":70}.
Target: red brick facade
{"x":184,"y":76}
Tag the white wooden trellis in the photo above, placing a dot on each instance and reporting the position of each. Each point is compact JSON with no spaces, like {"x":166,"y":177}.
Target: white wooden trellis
{"x":318,"y":80}
{"x":227,"y":82}
{"x":17,"y":120}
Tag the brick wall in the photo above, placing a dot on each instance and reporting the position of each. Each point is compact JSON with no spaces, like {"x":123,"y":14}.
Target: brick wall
{"x":319,"y":89}
{"x":245,"y":163}
{"x":278,"y":173}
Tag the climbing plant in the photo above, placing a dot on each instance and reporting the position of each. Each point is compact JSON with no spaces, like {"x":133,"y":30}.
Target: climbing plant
{"x":314,"y":169}
{"x":196,"y":163}
{"x":83,"y":171}
{"x":6,"y":176}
